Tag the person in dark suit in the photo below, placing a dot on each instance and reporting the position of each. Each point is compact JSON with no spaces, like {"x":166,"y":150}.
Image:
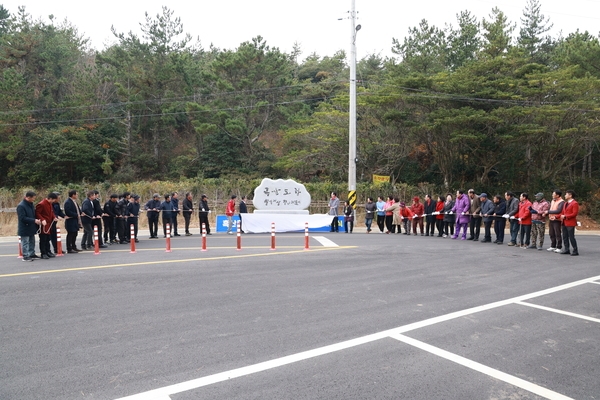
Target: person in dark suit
{"x":243,"y":210}
{"x":166,"y":208}
{"x":175,"y":201}
{"x":88,"y":214}
{"x":152,"y":208}
{"x":188,"y":210}
{"x":203,"y":211}
{"x":133,"y":213}
{"x":109,"y":216}
{"x":27,"y":226}
{"x":72,"y":221}
{"x":61,"y":216}
{"x":122,"y":218}
{"x":97,"y":221}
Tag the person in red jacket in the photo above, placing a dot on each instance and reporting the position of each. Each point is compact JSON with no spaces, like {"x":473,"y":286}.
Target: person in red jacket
{"x":406,"y":216}
{"x":44,"y":211}
{"x":439,"y":215}
{"x":524,"y":217}
{"x":229,"y":211}
{"x":569,"y":222}
{"x":418,"y":210}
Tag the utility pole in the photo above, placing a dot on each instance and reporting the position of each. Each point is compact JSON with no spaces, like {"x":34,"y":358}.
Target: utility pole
{"x":352,"y":126}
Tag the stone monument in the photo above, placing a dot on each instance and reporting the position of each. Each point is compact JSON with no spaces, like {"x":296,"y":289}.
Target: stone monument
{"x":281,"y":197}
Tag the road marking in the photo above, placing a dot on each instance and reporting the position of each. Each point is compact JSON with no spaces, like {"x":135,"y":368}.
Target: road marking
{"x":597,"y":283}
{"x":127,"y":250}
{"x":324,"y":241}
{"x":395,"y":332}
{"x":484,"y":369}
{"x":169,"y":261}
{"x":557,"y":311}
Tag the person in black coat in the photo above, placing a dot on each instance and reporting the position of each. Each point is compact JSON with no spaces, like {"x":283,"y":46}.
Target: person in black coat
{"x":175,"y":201}
{"x":121,"y":217}
{"x":27,"y":226}
{"x":348,"y":217}
{"x":109,"y":216}
{"x":88,"y":214}
{"x":188,"y":210}
{"x":243,"y":210}
{"x":167,"y":210}
{"x":429,"y":208}
{"x":97,"y":221}
{"x":203,"y":211}
{"x":72,"y":221}
{"x":499,"y":220}
{"x":133,"y":214}
{"x":152,"y":208}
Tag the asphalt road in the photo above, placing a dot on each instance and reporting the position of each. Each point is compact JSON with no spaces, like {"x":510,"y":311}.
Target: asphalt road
{"x":378,"y":317}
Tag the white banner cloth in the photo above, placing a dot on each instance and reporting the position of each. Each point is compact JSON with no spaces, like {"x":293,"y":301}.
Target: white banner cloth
{"x":261,"y":223}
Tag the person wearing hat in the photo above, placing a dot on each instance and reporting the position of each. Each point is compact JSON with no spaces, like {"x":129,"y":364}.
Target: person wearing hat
{"x":418,"y":210}
{"x":203,"y":211}
{"x":539,"y":209}
{"x":487,"y":211}
{"x":152,"y":208}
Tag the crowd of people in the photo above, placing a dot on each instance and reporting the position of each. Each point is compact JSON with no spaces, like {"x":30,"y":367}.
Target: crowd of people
{"x":459,"y":217}
{"x":112,"y":219}
{"x":462,"y":216}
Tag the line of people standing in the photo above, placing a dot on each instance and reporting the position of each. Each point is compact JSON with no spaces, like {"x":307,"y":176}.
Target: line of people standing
{"x":465,"y":214}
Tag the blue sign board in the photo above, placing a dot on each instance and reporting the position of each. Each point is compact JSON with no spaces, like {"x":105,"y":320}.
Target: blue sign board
{"x":222,"y":224}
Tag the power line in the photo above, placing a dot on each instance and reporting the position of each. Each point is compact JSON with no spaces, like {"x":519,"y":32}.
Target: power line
{"x":414,"y":93}
{"x":165,"y":100}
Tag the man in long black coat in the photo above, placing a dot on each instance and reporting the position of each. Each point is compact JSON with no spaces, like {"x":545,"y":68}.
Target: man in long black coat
{"x":203,"y":211}
{"x":72,"y":221}
{"x":27,"y":226}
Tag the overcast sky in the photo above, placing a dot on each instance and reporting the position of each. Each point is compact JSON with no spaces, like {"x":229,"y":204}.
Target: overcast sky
{"x":313,"y":24}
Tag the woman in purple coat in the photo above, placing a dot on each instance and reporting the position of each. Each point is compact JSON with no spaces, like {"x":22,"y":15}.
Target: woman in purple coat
{"x":461,"y":209}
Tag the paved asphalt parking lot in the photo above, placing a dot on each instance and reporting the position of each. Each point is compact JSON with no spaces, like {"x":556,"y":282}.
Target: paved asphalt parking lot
{"x":355,"y":317}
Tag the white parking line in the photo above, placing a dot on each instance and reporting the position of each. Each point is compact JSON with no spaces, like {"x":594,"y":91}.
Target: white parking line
{"x":164,"y":392}
{"x":557,"y":311}
{"x":325,"y":242}
{"x":597,"y":283}
{"x":494,"y":373}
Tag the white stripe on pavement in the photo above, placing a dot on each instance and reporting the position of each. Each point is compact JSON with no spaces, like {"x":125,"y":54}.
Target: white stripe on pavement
{"x":557,"y":311}
{"x":484,"y":369}
{"x":325,"y":242}
{"x":395,"y":332}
